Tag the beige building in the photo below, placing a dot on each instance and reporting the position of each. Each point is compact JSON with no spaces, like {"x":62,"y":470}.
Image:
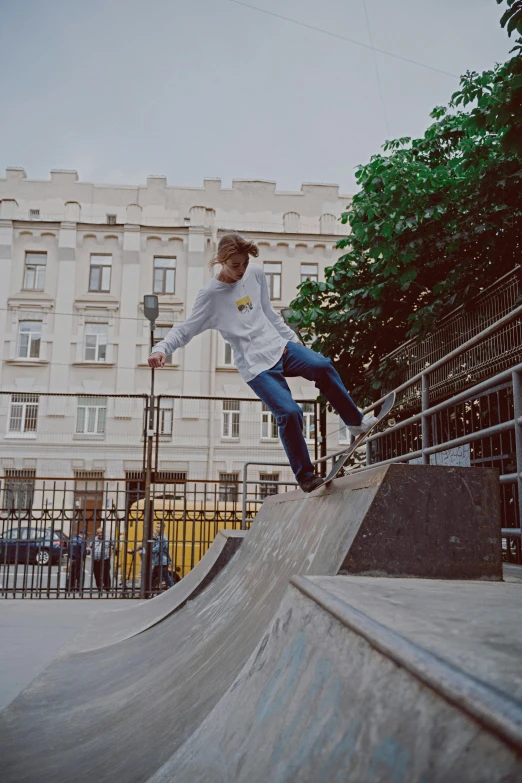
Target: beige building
{"x":75,"y":262}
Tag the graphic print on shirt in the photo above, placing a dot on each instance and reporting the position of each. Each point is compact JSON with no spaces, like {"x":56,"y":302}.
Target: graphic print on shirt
{"x":244,"y":304}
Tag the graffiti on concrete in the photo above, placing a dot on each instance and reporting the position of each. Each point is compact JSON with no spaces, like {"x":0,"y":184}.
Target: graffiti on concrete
{"x":459,"y":457}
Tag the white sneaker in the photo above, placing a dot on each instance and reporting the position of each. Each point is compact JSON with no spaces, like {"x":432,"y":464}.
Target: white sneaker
{"x":366,"y":424}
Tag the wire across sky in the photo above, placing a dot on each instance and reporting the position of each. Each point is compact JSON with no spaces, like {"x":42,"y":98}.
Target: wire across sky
{"x":342,"y":38}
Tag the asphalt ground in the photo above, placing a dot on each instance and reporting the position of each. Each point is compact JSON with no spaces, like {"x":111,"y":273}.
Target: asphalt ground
{"x":33,"y":631}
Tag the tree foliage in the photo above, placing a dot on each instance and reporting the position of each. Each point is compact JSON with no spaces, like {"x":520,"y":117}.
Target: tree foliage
{"x":435,"y":220}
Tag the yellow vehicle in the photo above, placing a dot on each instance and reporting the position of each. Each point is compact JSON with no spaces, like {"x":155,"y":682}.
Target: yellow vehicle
{"x":190,"y":527}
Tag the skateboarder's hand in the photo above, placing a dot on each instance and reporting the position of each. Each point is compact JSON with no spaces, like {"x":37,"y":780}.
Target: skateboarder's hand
{"x":157,"y":360}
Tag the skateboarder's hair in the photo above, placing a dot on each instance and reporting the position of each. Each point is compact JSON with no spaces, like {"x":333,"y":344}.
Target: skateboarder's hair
{"x":230,"y":244}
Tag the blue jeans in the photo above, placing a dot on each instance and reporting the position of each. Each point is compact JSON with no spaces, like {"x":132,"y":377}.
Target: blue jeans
{"x":271,"y":387}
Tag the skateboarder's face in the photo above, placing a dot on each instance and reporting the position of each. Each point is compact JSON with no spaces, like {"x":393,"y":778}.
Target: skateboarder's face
{"x":234,"y":267}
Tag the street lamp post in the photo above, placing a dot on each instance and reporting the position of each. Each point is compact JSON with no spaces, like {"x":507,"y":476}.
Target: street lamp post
{"x":151,"y":310}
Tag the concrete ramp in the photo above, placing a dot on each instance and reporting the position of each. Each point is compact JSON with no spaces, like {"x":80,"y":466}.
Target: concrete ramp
{"x":120,"y":712}
{"x":115,"y":625}
{"x":332,"y":693}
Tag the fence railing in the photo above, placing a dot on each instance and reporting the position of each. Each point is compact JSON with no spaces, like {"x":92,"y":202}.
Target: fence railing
{"x":71,"y":539}
{"x":481,"y":425}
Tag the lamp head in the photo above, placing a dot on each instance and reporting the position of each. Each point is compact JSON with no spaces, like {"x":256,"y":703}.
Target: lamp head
{"x":151,"y":308}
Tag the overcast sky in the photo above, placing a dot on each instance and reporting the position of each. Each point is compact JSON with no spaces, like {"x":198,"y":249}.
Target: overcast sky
{"x":119,"y":89}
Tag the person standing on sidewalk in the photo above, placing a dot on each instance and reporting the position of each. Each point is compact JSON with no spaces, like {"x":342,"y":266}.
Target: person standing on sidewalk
{"x":266,"y":351}
{"x":101,"y":549}
{"x":77,"y":555}
{"x":161,"y":559}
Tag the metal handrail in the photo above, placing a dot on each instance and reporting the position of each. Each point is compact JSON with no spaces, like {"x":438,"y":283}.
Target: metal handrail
{"x":513,"y":374}
{"x":461,"y":397}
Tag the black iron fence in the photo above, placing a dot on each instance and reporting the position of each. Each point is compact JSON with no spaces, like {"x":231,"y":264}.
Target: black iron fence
{"x":72,"y":539}
{"x":86,"y":531}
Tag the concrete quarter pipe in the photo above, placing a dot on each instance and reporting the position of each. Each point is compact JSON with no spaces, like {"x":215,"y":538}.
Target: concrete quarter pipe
{"x":116,"y":625}
{"x":121,"y":711}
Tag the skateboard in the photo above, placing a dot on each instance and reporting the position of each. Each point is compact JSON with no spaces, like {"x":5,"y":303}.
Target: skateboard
{"x":341,"y":457}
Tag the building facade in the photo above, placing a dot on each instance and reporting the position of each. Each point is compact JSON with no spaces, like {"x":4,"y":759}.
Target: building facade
{"x":75,"y":262}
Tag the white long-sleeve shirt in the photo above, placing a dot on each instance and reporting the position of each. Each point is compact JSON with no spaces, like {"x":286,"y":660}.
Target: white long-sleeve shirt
{"x":244,"y":316}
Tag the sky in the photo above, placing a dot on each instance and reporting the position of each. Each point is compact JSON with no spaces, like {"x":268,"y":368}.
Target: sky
{"x":121,"y":89}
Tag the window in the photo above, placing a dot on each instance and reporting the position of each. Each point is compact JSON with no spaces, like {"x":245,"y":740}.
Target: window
{"x":273,"y":278}
{"x":230,"y":421}
{"x":186,"y":221}
{"x":23,"y":415}
{"x":228,"y":359}
{"x":164,"y":275}
{"x":29,"y":336}
{"x":111,"y":220}
{"x":269,"y":430}
{"x":308,"y":421}
{"x":18,"y":491}
{"x":34,"y":214}
{"x":229,"y":491}
{"x":100,"y":275}
{"x":91,"y":415}
{"x":95,"y":348}
{"x":166,"y":416}
{"x":170,"y":476}
{"x":268,"y":489}
{"x":34,"y":278}
{"x":160,"y":332}
{"x":309,"y":272}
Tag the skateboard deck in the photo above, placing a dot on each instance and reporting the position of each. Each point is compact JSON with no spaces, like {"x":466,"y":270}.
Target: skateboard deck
{"x":341,"y":457}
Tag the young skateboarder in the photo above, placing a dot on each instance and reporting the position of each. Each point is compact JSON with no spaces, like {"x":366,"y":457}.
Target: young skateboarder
{"x":266,"y":351}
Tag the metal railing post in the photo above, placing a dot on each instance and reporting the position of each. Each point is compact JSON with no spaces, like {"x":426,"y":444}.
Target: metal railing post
{"x":425,"y":419}
{"x":244,"y":498}
{"x":323,"y":442}
{"x":316,"y":431}
{"x":517,"y":404}
{"x":148,"y":505}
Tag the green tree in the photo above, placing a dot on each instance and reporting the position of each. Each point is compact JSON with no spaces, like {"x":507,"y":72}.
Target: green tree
{"x":435,"y":220}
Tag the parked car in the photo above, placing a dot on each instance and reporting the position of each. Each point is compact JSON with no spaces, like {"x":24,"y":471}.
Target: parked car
{"x":29,"y":545}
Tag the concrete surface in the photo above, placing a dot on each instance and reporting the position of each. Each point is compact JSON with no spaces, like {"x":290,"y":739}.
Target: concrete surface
{"x":121,"y":711}
{"x":331,"y":695}
{"x":473,"y":625}
{"x":512,"y":572}
{"x":116,"y":625}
